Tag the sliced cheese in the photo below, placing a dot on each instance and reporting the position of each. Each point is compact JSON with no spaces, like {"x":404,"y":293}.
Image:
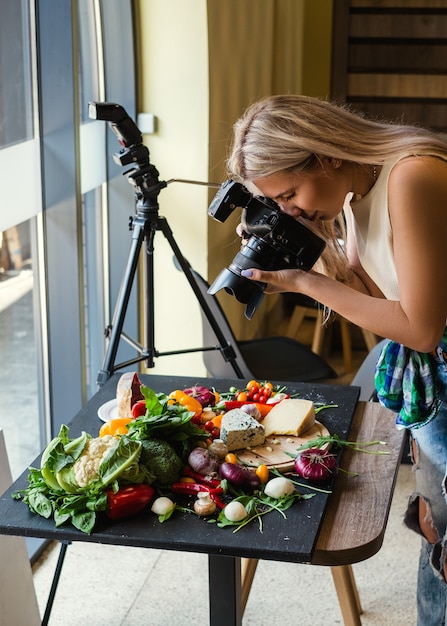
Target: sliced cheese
{"x":290,"y":417}
{"x":239,"y":430}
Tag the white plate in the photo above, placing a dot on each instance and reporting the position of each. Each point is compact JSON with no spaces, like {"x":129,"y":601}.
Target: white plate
{"x":108,"y":410}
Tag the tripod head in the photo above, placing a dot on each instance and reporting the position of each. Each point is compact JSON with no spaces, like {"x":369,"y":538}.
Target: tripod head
{"x":143,"y":176}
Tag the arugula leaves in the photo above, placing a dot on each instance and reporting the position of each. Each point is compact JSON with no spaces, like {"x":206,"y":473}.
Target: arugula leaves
{"x":260,"y":504}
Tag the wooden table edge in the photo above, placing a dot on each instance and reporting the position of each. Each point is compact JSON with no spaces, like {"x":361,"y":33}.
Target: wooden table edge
{"x":356,"y":516}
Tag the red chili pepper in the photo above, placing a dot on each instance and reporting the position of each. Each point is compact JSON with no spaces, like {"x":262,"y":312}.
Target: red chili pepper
{"x":128,"y":500}
{"x":190,"y":489}
{"x":235,"y":404}
{"x":215,"y":497}
{"x":200,"y":478}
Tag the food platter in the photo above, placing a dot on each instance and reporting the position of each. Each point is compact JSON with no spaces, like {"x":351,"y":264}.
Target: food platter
{"x":273,"y":452}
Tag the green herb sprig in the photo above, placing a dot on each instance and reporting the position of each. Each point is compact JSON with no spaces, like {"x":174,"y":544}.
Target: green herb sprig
{"x":259,"y":505}
{"x":334,"y":440}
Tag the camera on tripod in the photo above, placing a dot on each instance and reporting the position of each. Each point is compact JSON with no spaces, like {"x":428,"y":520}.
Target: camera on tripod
{"x":274,"y":241}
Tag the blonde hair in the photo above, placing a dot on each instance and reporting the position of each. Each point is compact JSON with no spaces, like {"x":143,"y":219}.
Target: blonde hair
{"x":288,"y":133}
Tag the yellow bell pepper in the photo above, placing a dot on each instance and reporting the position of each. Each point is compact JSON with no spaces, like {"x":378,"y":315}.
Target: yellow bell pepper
{"x":116,"y":426}
{"x":190,"y":403}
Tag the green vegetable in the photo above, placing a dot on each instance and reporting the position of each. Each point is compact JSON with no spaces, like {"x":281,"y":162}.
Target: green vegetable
{"x":335,"y":440}
{"x":75,"y":474}
{"x":170,"y":422}
{"x":161,"y":460}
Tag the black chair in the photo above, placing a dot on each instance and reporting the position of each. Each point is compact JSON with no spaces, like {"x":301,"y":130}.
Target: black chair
{"x":364,"y":377}
{"x":269,"y":358}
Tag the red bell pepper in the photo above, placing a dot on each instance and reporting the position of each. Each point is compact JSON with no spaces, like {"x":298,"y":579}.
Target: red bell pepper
{"x":128,"y":500}
{"x":139,"y":409}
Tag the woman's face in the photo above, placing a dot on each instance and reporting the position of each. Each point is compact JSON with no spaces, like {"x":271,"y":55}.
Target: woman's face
{"x":319,"y":194}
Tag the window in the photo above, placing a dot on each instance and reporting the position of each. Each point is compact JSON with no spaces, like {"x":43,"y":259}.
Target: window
{"x":57,"y":282}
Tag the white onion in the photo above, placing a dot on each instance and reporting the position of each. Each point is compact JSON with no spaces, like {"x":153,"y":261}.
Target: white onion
{"x":279,"y":487}
{"x":235,"y":511}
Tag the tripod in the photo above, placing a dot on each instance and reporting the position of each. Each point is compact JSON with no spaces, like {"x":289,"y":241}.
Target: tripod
{"x":147,"y":221}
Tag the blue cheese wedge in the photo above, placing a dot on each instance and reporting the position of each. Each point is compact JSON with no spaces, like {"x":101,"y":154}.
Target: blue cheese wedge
{"x":292,"y":417}
{"x":240,"y":430}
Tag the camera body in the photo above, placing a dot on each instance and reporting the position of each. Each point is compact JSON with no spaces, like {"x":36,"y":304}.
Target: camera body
{"x":273,"y":241}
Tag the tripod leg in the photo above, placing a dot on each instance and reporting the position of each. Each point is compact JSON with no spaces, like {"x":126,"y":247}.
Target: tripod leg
{"x":122,"y":302}
{"x":226,"y":349}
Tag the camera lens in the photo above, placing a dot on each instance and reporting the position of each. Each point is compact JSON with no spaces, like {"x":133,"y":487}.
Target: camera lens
{"x":255,"y":253}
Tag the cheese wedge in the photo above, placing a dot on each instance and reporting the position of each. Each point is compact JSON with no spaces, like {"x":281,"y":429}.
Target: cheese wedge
{"x":127,"y":393}
{"x":290,"y":417}
{"x":239,"y":430}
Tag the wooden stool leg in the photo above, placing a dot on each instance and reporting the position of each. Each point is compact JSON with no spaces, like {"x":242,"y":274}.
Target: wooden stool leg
{"x":346,"y":344}
{"x":347,"y":593}
{"x":318,"y":340}
{"x":296,"y":319}
{"x":248,"y":569}
{"x":370,"y":339}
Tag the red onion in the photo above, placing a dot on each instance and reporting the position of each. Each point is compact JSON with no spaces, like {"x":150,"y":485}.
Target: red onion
{"x":239,"y":476}
{"x":316,"y":464}
{"x":202,"y":462}
{"x":204,"y":395}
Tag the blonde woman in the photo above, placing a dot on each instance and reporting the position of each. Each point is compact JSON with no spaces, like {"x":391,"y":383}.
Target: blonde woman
{"x":385,"y":187}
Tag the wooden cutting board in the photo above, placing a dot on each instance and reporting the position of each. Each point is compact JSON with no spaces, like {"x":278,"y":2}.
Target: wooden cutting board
{"x":273,"y":452}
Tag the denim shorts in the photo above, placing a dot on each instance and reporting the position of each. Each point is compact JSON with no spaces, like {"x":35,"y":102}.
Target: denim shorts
{"x":429,"y":456}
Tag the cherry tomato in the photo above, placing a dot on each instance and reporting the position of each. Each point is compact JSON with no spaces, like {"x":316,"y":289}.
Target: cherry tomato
{"x":215,"y":433}
{"x":208,"y":426}
{"x":241,"y":396}
{"x":256,"y":397}
{"x":231,"y":458}
{"x":252,"y":385}
{"x":262,"y":472}
{"x":268,"y":386}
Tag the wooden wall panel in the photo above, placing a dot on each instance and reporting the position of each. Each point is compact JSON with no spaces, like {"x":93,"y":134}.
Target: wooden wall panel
{"x":390,"y":58}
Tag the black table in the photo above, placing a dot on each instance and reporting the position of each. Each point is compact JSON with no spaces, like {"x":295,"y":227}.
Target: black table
{"x":290,"y":540}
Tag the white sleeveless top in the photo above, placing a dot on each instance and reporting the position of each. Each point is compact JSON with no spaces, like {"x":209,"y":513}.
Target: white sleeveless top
{"x":372,"y":229}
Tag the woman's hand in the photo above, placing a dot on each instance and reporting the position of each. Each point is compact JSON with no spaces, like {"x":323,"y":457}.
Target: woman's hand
{"x":279,"y":281}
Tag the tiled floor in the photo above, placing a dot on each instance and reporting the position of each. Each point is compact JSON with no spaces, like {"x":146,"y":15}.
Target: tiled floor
{"x":114,"y":586}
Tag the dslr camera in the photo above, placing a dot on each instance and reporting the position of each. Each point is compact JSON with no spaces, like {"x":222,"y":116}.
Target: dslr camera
{"x":273,"y":241}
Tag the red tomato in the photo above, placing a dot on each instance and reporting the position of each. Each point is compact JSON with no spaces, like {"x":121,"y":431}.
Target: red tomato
{"x":139,"y":408}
